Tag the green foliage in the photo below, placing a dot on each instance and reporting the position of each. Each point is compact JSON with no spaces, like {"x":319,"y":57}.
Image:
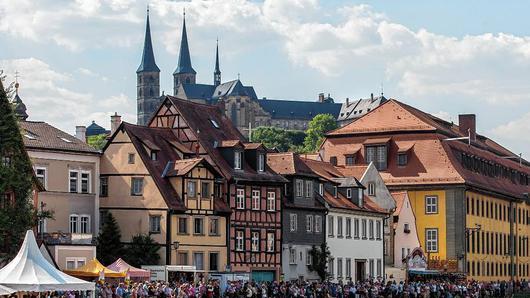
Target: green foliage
{"x":281,"y":139}
{"x":97,"y":141}
{"x":143,"y":250}
{"x":320,"y":256}
{"x":317,"y":129}
{"x":109,"y":247}
{"x":17,"y":214}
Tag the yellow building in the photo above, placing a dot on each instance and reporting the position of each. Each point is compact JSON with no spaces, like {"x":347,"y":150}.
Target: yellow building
{"x":153,"y":184}
{"x":462,"y":186}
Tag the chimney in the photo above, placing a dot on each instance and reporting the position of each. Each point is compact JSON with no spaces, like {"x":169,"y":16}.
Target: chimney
{"x":115,"y":121}
{"x":467,"y":124}
{"x":372,"y":96}
{"x":80,"y":132}
{"x":321,"y":97}
{"x":347,"y":101}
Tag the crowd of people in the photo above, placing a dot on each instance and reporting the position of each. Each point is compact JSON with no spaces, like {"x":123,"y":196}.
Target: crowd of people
{"x":370,"y":288}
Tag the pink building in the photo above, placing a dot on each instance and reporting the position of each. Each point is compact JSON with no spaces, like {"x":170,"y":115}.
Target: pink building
{"x":406,"y":236}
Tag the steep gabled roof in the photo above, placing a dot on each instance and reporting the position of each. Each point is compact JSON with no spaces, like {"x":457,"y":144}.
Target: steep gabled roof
{"x":323,"y":169}
{"x":95,"y":129}
{"x":341,"y":202}
{"x":356,"y":171}
{"x":181,"y":167}
{"x":42,"y":136}
{"x":399,"y":197}
{"x":356,"y":108}
{"x":184,"y":63}
{"x":288,"y":163}
{"x":293,"y":109}
{"x":148,"y":57}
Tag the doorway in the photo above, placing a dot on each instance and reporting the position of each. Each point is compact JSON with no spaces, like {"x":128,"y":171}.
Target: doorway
{"x":360,"y":270}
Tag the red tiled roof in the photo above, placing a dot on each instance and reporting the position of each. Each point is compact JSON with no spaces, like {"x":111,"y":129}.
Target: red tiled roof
{"x":253,"y":146}
{"x":399,"y":197}
{"x":182,"y":167}
{"x":324,"y":169}
{"x":341,"y":202}
{"x":229,"y":143}
{"x":356,"y":171}
{"x":288,"y":163}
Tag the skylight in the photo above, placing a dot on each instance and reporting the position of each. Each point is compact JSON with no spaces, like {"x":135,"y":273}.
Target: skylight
{"x":66,"y":140}
{"x":30,"y":135}
{"x":214,"y":123}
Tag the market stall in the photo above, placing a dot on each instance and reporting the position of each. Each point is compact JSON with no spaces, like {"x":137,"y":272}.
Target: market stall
{"x":94,"y":269}
{"x":134,"y":273}
{"x":29,"y":271}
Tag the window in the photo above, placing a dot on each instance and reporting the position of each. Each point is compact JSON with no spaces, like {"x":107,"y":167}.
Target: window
{"x":40,"y":173}
{"x":330,"y":225}
{"x":333,"y":160}
{"x":6,"y":161}
{"x":371,"y":270}
{"x":270,"y":242}
{"x":331,"y":267}
{"x":103,"y":186}
{"x":198,"y":260}
{"x":256,"y":199}
{"x":403,"y":254}
{"x":309,"y":223}
{"x":402,"y":159}
{"x":321,"y":189}
{"x":198,"y":226}
{"x":85,"y":224}
{"x":137,"y":185}
{"x":261,"y":162}
{"x":254,"y":239}
{"x":183,"y":225}
{"x":154,"y":224}
{"x":379,"y":267}
{"x":308,"y":258}
{"x":377,"y":155}
{"x":378,"y":230}
{"x":240,"y":198}
{"x":237,"y":160}
{"x":363,"y":228}
{"x":191,"y":189}
{"x":371,"y":189}
{"x":350,"y":160}
{"x":431,"y":236}
{"x":348,"y":227}
{"x":154,"y":155}
{"x":431,"y":204}
{"x":339,"y":267}
{"x":356,"y":228}
{"x":214,"y":123}
{"x":308,"y":188}
{"x":205,"y":190}
{"x":214,"y":261}
{"x":293,"y":221}
{"x":348,"y":268}
{"x":130,"y":158}
{"x":240,"y":240}
{"x":73,"y":263}
{"x":406,"y":228}
{"x":73,"y":181}
{"x":74,"y":223}
{"x":85,"y":182}
{"x":214,"y":226}
{"x":292,"y":256}
{"x":299,"y":188}
{"x":318,"y":224}
{"x":371,"y":228}
{"x":271,"y":201}
{"x":339,"y":226}
{"x":348,"y":193}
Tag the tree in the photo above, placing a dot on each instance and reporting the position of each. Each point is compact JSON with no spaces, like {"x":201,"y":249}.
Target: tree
{"x":143,"y":250}
{"x":319,"y":257}
{"x":281,"y":139}
{"x":17,"y":214}
{"x":317,"y":129}
{"x":97,"y":141}
{"x":109,"y":247}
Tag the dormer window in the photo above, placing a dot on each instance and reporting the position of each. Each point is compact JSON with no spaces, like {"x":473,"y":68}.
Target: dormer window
{"x":335,"y":191}
{"x":238,"y":156}
{"x":377,"y":155}
{"x":261,"y":162}
{"x":402,"y":159}
{"x":154,"y":155}
{"x":348,"y":193}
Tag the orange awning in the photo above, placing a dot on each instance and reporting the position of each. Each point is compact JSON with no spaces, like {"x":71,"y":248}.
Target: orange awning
{"x":92,"y":269}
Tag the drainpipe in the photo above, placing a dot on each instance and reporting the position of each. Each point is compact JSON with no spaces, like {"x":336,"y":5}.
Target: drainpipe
{"x":512,"y":242}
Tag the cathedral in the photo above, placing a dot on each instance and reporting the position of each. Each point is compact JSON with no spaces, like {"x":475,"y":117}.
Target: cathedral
{"x":239,"y":102}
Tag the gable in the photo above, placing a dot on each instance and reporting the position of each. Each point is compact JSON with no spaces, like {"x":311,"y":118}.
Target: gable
{"x":388,"y":117}
{"x":382,"y":197}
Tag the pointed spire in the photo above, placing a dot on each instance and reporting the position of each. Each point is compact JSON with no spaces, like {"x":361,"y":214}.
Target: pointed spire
{"x":184,"y":63}
{"x":19,"y":106}
{"x":217,"y":71}
{"x":148,"y":57}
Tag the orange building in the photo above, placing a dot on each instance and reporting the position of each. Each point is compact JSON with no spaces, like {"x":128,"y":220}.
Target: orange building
{"x":462,"y":190}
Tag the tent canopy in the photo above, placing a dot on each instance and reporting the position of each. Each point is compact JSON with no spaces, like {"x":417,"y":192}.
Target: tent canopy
{"x":6,"y":290}
{"x":93,"y":268}
{"x":29,"y":271}
{"x":121,"y":266}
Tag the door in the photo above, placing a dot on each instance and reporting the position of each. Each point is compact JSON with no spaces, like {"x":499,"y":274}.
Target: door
{"x":261,"y":276}
{"x":360,"y":270}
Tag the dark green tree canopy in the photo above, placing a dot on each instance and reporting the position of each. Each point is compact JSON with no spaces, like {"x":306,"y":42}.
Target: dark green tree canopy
{"x":320,"y":256}
{"x":17,"y":214}
{"x":97,"y":141}
{"x":143,"y":250}
{"x":317,"y":129}
{"x":109,"y":247}
{"x":281,"y":139}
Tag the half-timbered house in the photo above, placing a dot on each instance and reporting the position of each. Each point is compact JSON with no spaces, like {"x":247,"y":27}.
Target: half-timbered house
{"x":252,"y":189}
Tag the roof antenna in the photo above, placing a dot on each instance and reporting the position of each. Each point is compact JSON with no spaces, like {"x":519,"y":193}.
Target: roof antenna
{"x":147,"y":9}
{"x":382,"y":89}
{"x":238,"y":76}
{"x":184,"y":11}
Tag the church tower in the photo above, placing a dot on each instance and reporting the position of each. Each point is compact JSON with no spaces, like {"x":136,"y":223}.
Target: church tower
{"x":148,"y":80}
{"x":19,"y":106}
{"x":217,"y":71}
{"x":184,"y":74}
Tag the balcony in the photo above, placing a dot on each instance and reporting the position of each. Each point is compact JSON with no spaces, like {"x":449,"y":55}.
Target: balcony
{"x":59,"y":238}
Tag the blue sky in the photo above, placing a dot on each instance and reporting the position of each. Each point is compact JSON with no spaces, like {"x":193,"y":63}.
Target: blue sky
{"x":77,"y":59}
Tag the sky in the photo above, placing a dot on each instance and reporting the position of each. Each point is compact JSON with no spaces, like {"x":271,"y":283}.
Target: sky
{"x":77,"y":60}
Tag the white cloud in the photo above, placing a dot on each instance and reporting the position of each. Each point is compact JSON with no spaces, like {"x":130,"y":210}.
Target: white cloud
{"x":516,"y":129}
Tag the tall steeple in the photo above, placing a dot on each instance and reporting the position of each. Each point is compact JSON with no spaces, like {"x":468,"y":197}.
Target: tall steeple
{"x":148,"y":57}
{"x":217,"y":71}
{"x":19,"y":106}
{"x":184,"y":74}
{"x":148,"y":80}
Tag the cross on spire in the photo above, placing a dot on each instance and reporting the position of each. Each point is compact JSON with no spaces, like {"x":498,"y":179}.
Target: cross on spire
{"x":16,"y":76}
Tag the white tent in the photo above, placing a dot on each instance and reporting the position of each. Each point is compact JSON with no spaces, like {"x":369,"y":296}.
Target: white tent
{"x":30,"y":272}
{"x":6,"y":290}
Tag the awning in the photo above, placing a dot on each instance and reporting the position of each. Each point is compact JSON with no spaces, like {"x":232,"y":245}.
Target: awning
{"x":92,"y":269}
{"x":376,"y":141}
{"x":404,"y":146}
{"x":121,"y":266}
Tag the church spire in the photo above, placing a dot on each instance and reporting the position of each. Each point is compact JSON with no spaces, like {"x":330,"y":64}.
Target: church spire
{"x":148,"y":58}
{"x":217,"y":71}
{"x":184,"y":63}
{"x":19,"y":106}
